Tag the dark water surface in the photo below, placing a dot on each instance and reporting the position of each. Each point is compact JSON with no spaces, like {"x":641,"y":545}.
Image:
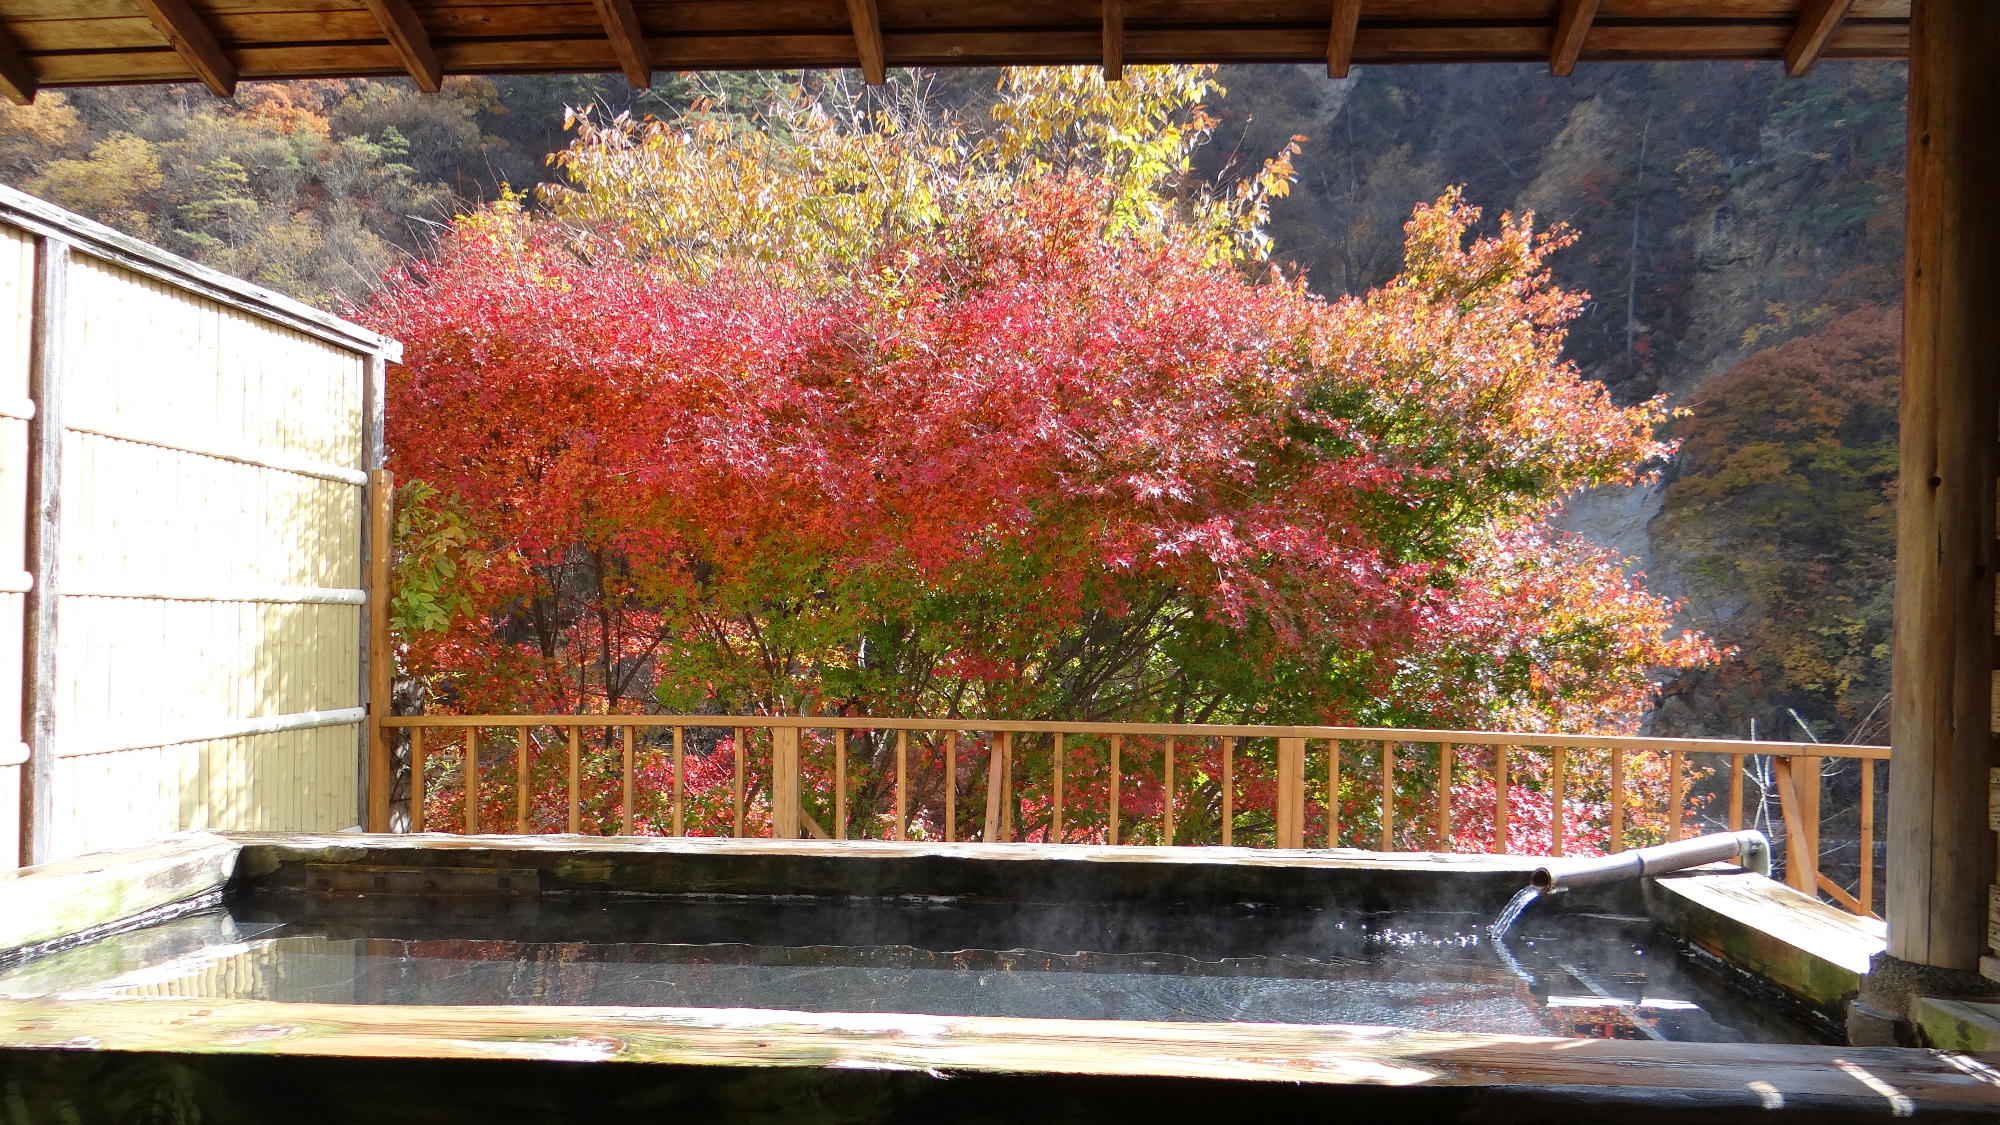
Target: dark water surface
{"x":1559,"y":974}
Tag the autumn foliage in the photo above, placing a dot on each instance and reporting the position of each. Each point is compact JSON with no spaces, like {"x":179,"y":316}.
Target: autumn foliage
{"x":1016,"y":454}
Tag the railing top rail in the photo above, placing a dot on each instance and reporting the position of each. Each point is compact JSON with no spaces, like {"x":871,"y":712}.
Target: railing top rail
{"x":1195,"y":730}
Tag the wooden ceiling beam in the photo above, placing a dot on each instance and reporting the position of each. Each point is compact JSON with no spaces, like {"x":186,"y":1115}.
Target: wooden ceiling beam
{"x":194,"y":42}
{"x":867,"y":22}
{"x":17,"y":78}
{"x":1114,"y":40}
{"x":1571,"y":28}
{"x":628,"y":41}
{"x":1816,"y":26}
{"x":1340,"y":40}
{"x":406,"y":34}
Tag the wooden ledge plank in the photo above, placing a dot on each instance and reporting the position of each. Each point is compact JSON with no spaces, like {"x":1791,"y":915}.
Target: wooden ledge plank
{"x":1340,"y":39}
{"x":194,"y":42}
{"x":406,"y":34}
{"x":1114,"y":40}
{"x":56,"y":900}
{"x":1816,"y":27}
{"x":1323,"y":1055}
{"x":1816,"y":952}
{"x":867,"y":23}
{"x":1571,"y":28}
{"x":628,"y":41}
{"x":17,"y":77}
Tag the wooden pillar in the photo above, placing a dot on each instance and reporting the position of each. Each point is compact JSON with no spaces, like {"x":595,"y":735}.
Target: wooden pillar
{"x":1941,"y":853}
{"x":39,"y":718}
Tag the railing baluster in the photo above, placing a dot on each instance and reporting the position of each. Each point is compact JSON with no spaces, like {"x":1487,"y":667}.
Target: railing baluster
{"x":1617,"y":799}
{"x":625,"y":823}
{"x":840,"y":784}
{"x":416,"y":779}
{"x":1167,"y":790}
{"x":1008,"y":801}
{"x":736,"y":782}
{"x":1736,"y":766}
{"x":1117,"y":744}
{"x":521,"y":780}
{"x":472,"y":781}
{"x":1056,"y":796}
{"x":902,"y":781}
{"x":990,"y":831}
{"x":1676,"y":792}
{"x":951,"y":787}
{"x":680,"y":782}
{"x":1228,"y":792}
{"x":1444,"y":797}
{"x":1557,"y":766}
{"x":1291,"y":810}
{"x":1388,"y":796}
{"x":1867,"y":834}
{"x":575,"y":772}
{"x":1500,"y":784}
{"x":1333,"y":793}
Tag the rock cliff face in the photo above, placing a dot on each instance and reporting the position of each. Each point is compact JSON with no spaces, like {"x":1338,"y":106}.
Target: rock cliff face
{"x":1724,"y":210}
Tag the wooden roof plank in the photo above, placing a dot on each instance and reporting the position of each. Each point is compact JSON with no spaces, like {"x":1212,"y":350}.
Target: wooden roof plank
{"x":867,"y":22}
{"x":194,"y":43}
{"x":406,"y":34}
{"x":1816,"y":26}
{"x":17,"y":78}
{"x":1571,"y":29}
{"x":1340,"y":38}
{"x":628,"y":41}
{"x":1114,"y":40}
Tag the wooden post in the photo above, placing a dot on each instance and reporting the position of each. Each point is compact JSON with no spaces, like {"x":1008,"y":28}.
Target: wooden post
{"x":951,"y":787}
{"x":1167,"y":791}
{"x":1444,"y":797}
{"x":1117,"y":744}
{"x":625,"y":821}
{"x":1676,"y":792}
{"x":471,"y":775}
{"x":785,"y":783}
{"x":47,"y":335}
{"x":1228,"y":792}
{"x":1940,"y":853}
{"x":680,"y":782}
{"x":1056,"y":783}
{"x":521,"y":780}
{"x":1388,"y":796}
{"x":1867,"y":889}
{"x":1333,"y":793}
{"x":1557,"y":779}
{"x":1291,"y":793}
{"x":1737,"y":764}
{"x":990,"y":833}
{"x":1500,"y":799}
{"x":840,"y":784}
{"x":735,"y":785}
{"x":902,"y":782}
{"x":575,"y":772}
{"x":1617,"y":799}
{"x":1801,"y":861}
{"x":416,"y":779}
{"x":381,"y":497}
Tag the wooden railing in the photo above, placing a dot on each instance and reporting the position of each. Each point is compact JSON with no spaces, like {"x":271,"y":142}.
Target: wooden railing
{"x":841,"y":778}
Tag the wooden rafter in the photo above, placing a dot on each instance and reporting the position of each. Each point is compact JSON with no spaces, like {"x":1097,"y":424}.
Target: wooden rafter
{"x":1571,"y":28}
{"x":406,"y":34}
{"x":1816,"y":26}
{"x":1114,"y":40}
{"x":628,"y":41}
{"x":17,"y":78}
{"x":1340,"y":39}
{"x":867,"y":21}
{"x":194,"y":42}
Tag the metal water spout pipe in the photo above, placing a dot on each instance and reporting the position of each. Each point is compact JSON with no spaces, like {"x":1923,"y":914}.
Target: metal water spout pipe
{"x":1750,"y":849}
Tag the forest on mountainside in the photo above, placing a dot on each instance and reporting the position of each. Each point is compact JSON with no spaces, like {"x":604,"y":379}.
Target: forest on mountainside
{"x":1739,"y":233}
